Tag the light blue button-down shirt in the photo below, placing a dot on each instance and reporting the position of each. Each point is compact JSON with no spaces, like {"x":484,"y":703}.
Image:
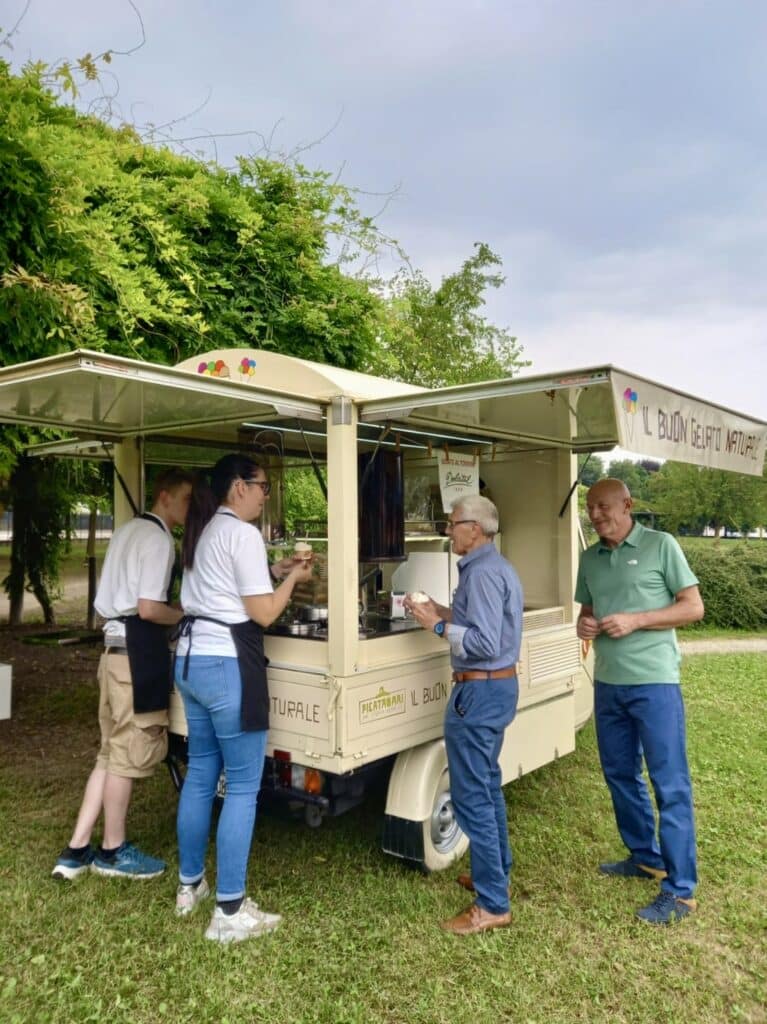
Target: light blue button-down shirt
{"x":486,"y":628}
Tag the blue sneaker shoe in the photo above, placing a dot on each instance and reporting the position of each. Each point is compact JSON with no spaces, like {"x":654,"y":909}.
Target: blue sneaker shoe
{"x":128,"y":862}
{"x":71,"y":865}
{"x":666,"y":908}
{"x":629,"y":868}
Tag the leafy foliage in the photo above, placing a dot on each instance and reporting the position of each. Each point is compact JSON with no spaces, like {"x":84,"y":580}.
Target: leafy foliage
{"x":109,"y":243}
{"x":590,"y":469}
{"x":733,"y":582}
{"x":437,"y":337}
{"x":691,"y":497}
{"x":41,"y":502}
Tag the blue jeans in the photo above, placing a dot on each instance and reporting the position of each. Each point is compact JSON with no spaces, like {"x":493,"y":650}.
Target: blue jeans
{"x":212,"y":696}
{"x":649,"y":719}
{"x":475,"y":720}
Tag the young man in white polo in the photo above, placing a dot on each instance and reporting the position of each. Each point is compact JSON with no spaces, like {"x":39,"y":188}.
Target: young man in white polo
{"x":134,"y":680}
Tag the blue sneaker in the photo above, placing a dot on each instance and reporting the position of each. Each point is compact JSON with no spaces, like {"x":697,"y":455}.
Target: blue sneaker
{"x":71,"y":865}
{"x":128,"y":862}
{"x":629,"y":868}
{"x":666,"y":908}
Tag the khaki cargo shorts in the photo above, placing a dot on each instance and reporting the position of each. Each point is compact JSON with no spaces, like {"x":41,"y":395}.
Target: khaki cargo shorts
{"x":131,"y":745}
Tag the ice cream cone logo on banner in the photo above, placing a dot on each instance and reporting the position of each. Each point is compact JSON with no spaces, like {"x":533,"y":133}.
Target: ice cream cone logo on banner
{"x":630,"y":399}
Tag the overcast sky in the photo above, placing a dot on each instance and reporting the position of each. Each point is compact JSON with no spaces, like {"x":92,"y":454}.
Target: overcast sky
{"x":612,"y":152}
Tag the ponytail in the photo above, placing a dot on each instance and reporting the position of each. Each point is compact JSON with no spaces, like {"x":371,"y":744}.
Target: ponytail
{"x":210,"y":489}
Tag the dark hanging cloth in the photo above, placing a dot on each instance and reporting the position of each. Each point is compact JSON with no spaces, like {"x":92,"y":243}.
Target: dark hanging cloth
{"x":248,"y":639}
{"x":149,"y":657}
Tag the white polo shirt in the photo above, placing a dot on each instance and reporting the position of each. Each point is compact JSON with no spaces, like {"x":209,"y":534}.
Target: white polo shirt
{"x":138,"y":564}
{"x":229,"y":563}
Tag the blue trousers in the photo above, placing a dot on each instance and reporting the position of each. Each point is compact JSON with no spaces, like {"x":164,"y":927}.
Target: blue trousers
{"x":649,"y":719}
{"x":212,"y":698}
{"x":476,"y":717}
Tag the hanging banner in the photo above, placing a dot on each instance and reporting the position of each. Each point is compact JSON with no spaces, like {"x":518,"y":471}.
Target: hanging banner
{"x":655,"y":421}
{"x":458,"y":477}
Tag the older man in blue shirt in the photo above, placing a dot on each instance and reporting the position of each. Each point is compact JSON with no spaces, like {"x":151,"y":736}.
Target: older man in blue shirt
{"x":483,"y":628}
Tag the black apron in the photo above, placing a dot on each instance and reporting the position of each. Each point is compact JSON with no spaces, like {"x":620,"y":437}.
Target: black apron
{"x":149,"y":656}
{"x":248,"y":639}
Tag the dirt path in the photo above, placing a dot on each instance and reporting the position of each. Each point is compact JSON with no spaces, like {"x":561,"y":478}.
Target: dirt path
{"x":73,"y":590}
{"x":746,"y":645}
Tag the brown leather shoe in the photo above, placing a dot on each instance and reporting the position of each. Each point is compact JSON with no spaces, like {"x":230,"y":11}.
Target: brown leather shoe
{"x":474,"y":920}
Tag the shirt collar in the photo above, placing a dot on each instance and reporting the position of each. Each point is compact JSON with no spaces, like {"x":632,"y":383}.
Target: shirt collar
{"x":632,"y":539}
{"x":479,"y":552}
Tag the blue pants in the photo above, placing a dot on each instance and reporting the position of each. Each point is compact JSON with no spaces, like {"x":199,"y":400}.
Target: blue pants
{"x":476,"y":717}
{"x":649,"y":719}
{"x":212,"y":696}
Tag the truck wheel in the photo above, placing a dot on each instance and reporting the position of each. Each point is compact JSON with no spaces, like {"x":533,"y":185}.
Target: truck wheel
{"x":419,"y":823}
{"x":313,"y":815}
{"x":443,"y":839}
{"x":176,"y":760}
{"x":177,"y":769}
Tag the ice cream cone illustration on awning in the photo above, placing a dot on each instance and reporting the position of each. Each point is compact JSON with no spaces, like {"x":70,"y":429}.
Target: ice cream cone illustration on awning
{"x":630,"y":398}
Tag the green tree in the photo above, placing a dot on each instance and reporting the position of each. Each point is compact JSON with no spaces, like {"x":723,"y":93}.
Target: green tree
{"x":109,"y":243}
{"x":692,"y":497}
{"x":438,"y":336}
{"x":634,"y":476}
{"x":590,"y":469}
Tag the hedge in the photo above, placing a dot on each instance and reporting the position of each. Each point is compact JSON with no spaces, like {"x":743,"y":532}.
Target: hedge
{"x":733,"y":581}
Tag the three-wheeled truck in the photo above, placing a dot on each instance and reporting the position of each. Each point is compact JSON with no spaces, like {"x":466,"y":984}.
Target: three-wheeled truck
{"x":357,"y":689}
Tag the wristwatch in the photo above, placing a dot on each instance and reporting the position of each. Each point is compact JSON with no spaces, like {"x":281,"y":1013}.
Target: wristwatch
{"x":439,"y":627}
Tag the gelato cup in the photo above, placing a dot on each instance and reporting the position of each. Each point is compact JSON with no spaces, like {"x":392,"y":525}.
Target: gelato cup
{"x":302,"y":550}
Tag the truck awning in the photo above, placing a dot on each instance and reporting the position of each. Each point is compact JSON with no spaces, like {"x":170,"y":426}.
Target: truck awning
{"x":94,"y":394}
{"x":585,"y":410}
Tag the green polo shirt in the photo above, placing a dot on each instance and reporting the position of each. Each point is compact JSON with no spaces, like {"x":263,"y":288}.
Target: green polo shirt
{"x":646,"y":571}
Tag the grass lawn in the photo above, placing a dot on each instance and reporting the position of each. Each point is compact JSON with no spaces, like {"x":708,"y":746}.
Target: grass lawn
{"x":360,"y":941}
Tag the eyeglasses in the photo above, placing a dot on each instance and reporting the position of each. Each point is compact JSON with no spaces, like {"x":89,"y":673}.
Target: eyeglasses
{"x":263,"y":484}
{"x":457,"y":522}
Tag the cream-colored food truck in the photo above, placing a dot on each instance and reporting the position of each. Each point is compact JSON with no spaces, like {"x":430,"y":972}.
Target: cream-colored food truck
{"x":356,"y":688}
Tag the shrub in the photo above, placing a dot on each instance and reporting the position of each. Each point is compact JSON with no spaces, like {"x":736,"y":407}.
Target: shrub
{"x":733,"y":581}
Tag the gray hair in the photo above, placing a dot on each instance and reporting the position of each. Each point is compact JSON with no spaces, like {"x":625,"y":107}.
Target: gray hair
{"x":482,"y":510}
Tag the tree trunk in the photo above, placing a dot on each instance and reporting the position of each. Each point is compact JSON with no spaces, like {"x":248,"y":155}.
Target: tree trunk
{"x":14,"y":583}
{"x":40,"y":591}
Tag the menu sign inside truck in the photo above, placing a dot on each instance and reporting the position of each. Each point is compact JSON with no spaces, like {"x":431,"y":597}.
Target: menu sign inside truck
{"x":458,"y":477}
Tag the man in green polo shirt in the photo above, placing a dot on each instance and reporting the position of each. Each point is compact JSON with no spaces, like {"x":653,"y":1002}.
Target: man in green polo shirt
{"x":635,"y":586}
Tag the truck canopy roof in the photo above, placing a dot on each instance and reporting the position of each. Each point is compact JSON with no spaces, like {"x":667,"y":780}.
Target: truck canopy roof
{"x":219,"y":398}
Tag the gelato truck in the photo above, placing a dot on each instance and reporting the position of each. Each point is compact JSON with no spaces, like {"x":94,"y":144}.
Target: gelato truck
{"x":357,"y":689}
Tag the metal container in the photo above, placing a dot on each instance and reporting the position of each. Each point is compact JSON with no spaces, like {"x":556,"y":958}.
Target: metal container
{"x":300,"y":628}
{"x":313,"y":613}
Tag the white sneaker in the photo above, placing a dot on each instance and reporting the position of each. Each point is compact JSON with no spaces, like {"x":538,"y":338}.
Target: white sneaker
{"x":248,"y":922}
{"x":188,"y":897}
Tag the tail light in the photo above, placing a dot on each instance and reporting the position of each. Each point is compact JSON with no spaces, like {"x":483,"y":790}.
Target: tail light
{"x":295,"y":776}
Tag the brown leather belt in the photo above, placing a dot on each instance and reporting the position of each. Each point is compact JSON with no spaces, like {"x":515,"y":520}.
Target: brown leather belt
{"x":496,"y":673}
{"x":115,"y":650}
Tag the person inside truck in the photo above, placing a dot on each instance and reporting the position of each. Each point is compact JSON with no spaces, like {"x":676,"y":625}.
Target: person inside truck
{"x":134,"y":681}
{"x":635,"y":586}
{"x":484,"y":629}
{"x":228,"y":601}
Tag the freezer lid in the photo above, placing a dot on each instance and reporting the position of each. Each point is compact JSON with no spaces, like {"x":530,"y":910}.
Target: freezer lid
{"x":591,"y":409}
{"x":94,"y":393}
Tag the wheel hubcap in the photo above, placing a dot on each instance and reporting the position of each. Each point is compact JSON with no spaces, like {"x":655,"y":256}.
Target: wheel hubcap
{"x":445,"y":830}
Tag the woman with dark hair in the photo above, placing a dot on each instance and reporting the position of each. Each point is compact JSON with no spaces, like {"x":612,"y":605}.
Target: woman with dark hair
{"x":228,"y":600}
